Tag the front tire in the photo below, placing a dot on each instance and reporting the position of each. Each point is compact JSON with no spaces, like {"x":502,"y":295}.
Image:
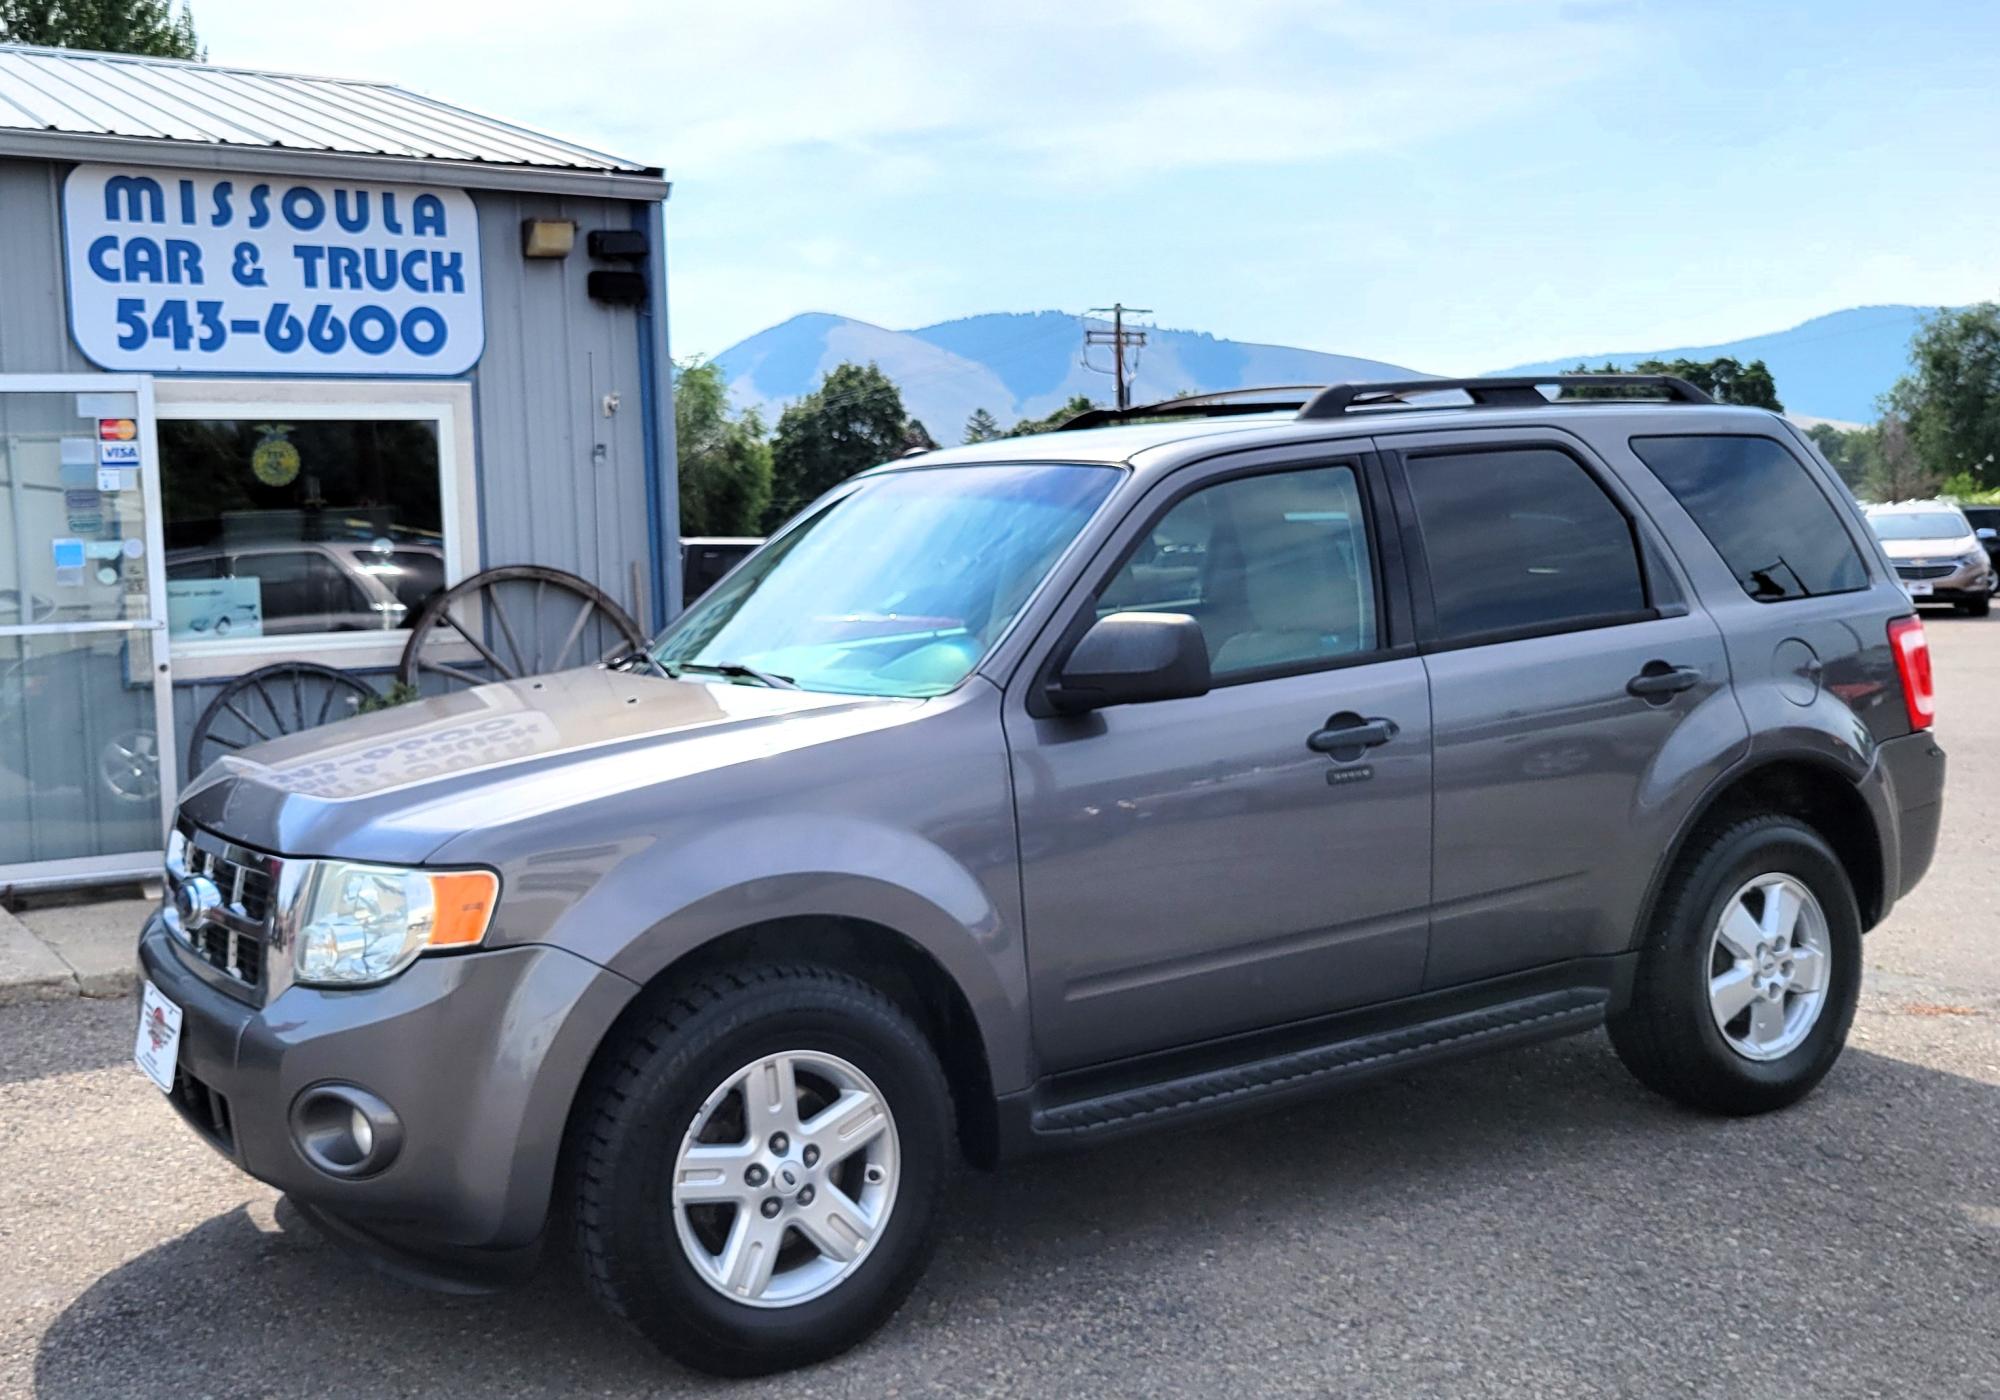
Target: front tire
{"x":1749,"y":976}
{"x":760,"y":1167}
{"x":1977,"y":607}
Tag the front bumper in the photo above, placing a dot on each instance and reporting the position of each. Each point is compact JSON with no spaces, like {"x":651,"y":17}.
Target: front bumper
{"x":479,"y":1054}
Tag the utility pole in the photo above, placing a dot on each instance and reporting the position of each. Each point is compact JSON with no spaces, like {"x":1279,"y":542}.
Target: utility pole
{"x":1117,"y":338}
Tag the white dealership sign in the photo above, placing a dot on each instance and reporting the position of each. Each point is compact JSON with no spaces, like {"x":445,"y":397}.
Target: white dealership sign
{"x":174,"y":270}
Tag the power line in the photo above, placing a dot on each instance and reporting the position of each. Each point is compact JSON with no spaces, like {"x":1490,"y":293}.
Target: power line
{"x":1117,"y":338}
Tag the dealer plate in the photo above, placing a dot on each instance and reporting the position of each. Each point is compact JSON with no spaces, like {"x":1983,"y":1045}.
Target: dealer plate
{"x":158,"y":1047}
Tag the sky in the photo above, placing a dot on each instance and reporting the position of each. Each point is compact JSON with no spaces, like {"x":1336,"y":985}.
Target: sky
{"x":1449,"y":186}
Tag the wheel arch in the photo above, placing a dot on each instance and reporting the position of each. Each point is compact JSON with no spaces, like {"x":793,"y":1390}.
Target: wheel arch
{"x":1808,"y":787}
{"x":899,"y":966}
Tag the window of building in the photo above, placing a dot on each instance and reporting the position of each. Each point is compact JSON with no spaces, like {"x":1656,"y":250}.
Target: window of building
{"x":302,"y":517}
{"x":1776,"y":530}
{"x":1522,"y":540}
{"x":1275,"y":569}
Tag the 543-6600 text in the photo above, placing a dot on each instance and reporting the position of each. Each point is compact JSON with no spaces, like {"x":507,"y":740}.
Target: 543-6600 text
{"x":206,"y":327}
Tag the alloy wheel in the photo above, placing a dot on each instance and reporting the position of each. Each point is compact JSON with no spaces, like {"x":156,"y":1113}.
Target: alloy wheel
{"x":1769,"y":967}
{"x":785,"y":1179}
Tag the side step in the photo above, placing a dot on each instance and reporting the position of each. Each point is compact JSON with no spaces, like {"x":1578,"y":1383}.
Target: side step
{"x":1319,"y":1068}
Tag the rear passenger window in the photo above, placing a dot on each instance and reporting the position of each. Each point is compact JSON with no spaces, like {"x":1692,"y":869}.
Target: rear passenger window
{"x":1522,"y":540}
{"x":1776,"y":530}
{"x":1274,"y":568}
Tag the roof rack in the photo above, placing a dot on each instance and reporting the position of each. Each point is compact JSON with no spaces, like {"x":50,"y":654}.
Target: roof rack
{"x":1493,"y":391}
{"x":1311,"y":401}
{"x":1227,"y":403}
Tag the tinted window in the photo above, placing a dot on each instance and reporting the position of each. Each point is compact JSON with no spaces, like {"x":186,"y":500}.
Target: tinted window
{"x":1274,"y":568}
{"x":1775,"y":529}
{"x":253,"y":486}
{"x":1522,"y":540}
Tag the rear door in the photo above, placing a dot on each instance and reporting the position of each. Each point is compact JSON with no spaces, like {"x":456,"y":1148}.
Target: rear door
{"x":1570,"y":676}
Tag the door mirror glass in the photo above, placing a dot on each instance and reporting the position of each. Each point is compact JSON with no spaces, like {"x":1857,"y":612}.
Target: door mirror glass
{"x":1131,"y":657}
{"x":1987,"y":532}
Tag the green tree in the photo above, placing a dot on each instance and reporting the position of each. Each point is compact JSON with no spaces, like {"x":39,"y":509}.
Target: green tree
{"x":150,"y":27}
{"x":1080,"y":403}
{"x":1951,"y":396}
{"x":1725,"y":380}
{"x":725,"y":464}
{"x":982,"y":427}
{"x":852,"y":421}
{"x":1853,"y":452}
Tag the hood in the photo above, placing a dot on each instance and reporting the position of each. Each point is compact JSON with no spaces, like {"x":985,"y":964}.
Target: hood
{"x":1932,"y":551}
{"x":396,"y":784}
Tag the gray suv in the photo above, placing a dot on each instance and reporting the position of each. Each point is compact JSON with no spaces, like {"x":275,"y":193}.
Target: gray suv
{"x":1029,"y":794}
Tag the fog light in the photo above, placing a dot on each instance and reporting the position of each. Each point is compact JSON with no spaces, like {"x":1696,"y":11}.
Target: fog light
{"x":345,"y":1131}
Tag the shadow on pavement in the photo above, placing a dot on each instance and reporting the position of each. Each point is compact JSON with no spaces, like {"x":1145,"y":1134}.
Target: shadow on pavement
{"x":1533,"y":1213}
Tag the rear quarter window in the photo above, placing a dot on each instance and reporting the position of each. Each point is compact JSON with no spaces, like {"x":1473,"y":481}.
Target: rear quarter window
{"x":1762,"y":511}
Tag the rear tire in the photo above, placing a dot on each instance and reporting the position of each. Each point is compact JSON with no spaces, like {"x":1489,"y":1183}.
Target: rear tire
{"x":1693,"y":971}
{"x":678,"y":1090}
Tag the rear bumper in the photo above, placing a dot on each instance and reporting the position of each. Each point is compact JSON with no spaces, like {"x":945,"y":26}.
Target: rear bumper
{"x":479,"y":1055}
{"x":1912,"y":769}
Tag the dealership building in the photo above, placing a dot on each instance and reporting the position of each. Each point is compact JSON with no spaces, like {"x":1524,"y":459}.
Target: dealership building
{"x":280,"y":356}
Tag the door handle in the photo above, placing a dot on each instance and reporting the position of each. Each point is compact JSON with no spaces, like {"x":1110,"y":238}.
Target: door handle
{"x":1657,"y":681}
{"x":1349,"y":731}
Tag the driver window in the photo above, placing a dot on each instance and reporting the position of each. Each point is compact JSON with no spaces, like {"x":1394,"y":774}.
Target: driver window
{"x":1275,"y":568}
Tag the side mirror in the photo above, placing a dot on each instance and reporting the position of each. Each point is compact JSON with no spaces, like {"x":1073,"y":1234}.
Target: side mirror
{"x":1987,"y":533}
{"x":1131,"y":657}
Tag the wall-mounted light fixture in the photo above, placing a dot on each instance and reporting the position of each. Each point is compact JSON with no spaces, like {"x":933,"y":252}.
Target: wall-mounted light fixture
{"x":618,"y":244}
{"x":547,"y":238}
{"x":617,"y":288}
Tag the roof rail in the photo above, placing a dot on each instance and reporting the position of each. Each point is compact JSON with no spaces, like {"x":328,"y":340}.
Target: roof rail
{"x":1225,"y":403}
{"x":1506,"y":391}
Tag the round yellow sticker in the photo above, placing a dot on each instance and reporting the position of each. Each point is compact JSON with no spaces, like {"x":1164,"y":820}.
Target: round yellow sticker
{"x":275,"y":462}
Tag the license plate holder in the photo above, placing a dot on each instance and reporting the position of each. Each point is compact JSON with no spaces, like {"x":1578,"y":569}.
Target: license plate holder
{"x":157,"y":1048}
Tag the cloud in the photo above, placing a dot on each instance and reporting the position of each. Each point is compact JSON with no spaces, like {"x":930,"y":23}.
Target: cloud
{"x":1040,"y":88}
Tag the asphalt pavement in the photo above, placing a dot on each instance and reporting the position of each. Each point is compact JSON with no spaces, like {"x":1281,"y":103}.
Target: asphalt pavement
{"x":1530,"y":1224}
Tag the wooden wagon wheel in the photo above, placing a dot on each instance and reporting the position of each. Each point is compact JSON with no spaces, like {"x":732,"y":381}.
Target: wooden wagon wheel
{"x":270,"y":701}
{"x":520,"y":620}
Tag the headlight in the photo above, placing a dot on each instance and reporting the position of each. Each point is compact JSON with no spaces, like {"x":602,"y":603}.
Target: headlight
{"x":366,"y":923}
{"x":1975,"y":557}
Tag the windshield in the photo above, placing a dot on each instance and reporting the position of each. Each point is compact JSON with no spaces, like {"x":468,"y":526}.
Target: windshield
{"x":897,"y":588}
{"x":1920,"y":525}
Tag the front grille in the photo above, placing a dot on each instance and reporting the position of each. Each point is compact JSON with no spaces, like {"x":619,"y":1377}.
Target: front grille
{"x":206,"y":1109}
{"x":230,"y":929}
{"x":1926,"y":570}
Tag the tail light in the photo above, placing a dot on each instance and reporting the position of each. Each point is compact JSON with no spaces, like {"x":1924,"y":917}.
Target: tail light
{"x":1913,"y":668}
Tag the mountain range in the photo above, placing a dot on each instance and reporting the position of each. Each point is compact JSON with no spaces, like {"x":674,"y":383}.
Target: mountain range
{"x":1019,"y":365}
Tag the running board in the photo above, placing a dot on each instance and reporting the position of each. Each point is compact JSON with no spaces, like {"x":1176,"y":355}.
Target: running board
{"x":1319,"y":1068}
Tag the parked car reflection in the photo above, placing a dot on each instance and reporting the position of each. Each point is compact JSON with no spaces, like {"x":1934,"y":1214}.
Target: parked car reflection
{"x":318,"y":586}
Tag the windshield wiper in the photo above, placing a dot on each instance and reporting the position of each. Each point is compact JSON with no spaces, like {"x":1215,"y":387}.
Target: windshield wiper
{"x":734,"y":670}
{"x":639,"y":659}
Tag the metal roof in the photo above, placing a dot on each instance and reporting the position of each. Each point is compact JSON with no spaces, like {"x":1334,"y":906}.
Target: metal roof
{"x":57,"y":102}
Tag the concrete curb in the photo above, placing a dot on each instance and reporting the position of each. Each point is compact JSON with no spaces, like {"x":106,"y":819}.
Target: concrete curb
{"x":71,"y":950}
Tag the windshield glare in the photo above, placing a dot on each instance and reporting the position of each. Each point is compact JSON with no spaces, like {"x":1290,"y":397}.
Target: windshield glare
{"x":898,"y":587}
{"x":1920,"y":525}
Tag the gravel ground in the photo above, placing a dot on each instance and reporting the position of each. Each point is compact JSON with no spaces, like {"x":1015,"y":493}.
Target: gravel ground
{"x":1532,"y":1224}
